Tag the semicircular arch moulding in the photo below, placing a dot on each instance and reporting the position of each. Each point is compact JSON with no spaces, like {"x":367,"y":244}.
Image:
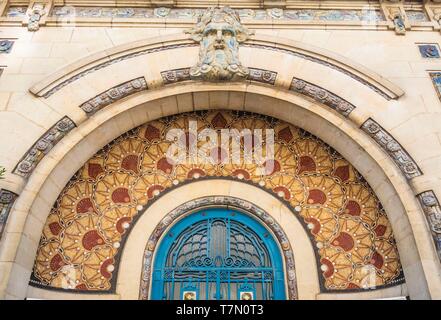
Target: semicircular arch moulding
{"x":101,"y":60}
{"x":229,"y":202}
{"x":85,"y":232}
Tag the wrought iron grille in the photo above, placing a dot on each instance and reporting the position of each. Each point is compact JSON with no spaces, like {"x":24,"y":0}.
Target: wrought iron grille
{"x":216,"y":258}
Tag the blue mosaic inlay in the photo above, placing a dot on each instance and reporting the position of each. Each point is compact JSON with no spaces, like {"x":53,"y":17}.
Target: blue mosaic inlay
{"x":429,"y":50}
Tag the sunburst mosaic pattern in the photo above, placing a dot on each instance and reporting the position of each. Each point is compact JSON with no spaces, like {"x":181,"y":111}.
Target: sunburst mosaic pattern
{"x":82,"y":238}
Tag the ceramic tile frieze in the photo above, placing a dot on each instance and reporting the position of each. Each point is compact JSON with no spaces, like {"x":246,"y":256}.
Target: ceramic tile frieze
{"x":416,"y":16}
{"x":391,"y":146}
{"x":28,"y":163}
{"x":261,"y":75}
{"x":183,"y":74}
{"x":432,"y":209}
{"x":16,"y":11}
{"x":191,"y":13}
{"x":176,"y":75}
{"x":322,"y":95}
{"x":7,"y":199}
{"x":116,"y":93}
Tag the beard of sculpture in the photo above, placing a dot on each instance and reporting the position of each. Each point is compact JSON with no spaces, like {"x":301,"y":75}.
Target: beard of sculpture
{"x":219,"y":32}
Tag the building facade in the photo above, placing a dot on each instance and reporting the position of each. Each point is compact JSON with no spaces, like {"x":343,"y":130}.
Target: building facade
{"x":220,"y":150}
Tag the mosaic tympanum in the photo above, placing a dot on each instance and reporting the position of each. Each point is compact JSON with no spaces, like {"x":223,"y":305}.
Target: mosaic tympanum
{"x":82,"y":239}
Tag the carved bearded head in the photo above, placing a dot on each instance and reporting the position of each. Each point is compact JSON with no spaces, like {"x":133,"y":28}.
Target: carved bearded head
{"x":219,"y":33}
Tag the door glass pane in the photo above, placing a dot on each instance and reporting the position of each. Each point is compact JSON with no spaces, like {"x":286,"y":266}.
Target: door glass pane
{"x":217,"y":259}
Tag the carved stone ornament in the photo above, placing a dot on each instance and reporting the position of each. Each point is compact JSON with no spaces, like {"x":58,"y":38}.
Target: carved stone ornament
{"x":219,"y":33}
{"x":175,"y":75}
{"x":391,"y":146}
{"x":437,"y":15}
{"x":261,"y":75}
{"x":322,"y":95}
{"x":35,"y":16}
{"x":7,"y":199}
{"x":432,"y":209}
{"x":43,"y":146}
{"x":398,"y":19}
{"x":120,"y":91}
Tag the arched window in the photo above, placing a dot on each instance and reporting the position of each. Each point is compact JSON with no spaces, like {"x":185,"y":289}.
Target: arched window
{"x":218,"y":254}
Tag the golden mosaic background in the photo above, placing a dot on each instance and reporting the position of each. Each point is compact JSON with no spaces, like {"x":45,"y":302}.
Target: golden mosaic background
{"x":91,"y":217}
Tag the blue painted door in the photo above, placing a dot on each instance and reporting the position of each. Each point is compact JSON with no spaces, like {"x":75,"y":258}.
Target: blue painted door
{"x":218,"y":254}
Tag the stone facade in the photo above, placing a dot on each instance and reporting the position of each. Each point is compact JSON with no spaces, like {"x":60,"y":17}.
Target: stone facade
{"x":328,"y":70}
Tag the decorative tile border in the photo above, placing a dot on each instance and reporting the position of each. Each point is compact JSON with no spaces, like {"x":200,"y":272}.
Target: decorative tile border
{"x":261,"y":75}
{"x":325,"y":15}
{"x":175,"y":75}
{"x":210,"y":201}
{"x":15,"y":11}
{"x":300,"y":15}
{"x":416,"y":16}
{"x":183,"y":74}
{"x":398,"y":154}
{"x":7,"y":199}
{"x":30,"y":160}
{"x":120,"y":91}
{"x":322,"y":95}
{"x":432,"y":209}
{"x":368,"y":15}
{"x":6,"y":46}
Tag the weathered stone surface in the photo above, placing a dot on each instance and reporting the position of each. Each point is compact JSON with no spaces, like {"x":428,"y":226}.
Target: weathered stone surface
{"x":219,"y":33}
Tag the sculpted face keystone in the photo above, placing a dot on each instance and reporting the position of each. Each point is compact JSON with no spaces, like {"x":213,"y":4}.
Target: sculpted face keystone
{"x":219,"y":33}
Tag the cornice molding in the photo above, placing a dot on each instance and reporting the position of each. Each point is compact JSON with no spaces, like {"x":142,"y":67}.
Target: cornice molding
{"x":366,"y":15}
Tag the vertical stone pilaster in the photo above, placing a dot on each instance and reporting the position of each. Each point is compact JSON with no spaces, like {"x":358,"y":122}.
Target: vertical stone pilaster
{"x":432,"y":210}
{"x":395,"y":14}
{"x":3,"y":7}
{"x":433,"y":11}
{"x":7,"y":199}
{"x":37,"y":14}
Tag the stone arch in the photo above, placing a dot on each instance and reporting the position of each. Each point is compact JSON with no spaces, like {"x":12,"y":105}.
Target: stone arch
{"x":95,"y":62}
{"x":74,"y":221}
{"x":288,"y":115}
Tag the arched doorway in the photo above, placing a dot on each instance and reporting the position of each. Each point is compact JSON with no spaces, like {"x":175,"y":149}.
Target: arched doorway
{"x":85,"y":235}
{"x":218,"y":254}
{"x":73,"y":85}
